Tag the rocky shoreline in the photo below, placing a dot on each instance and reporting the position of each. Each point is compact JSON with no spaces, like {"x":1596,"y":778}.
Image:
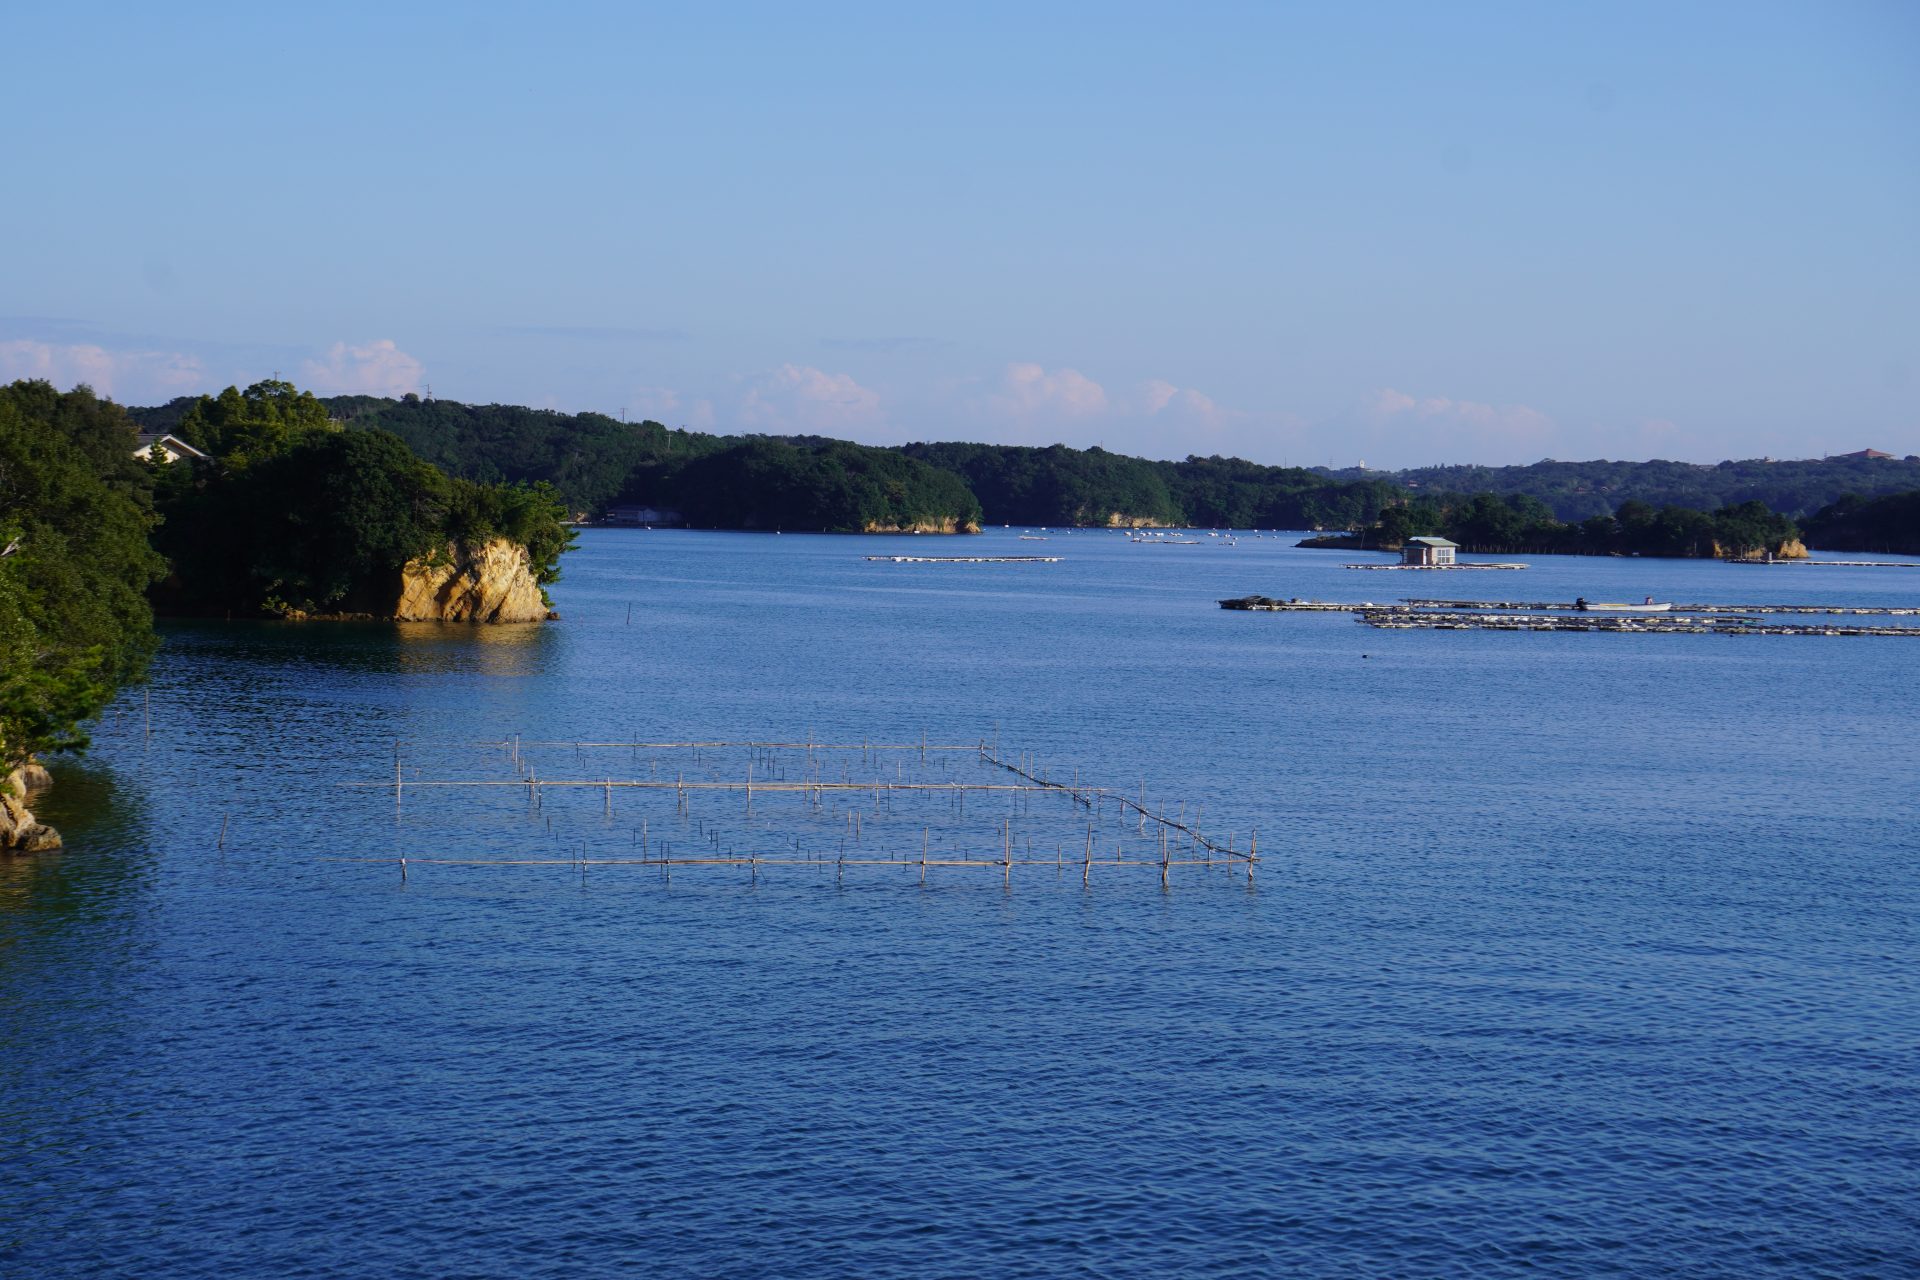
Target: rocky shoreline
{"x":20,"y":831}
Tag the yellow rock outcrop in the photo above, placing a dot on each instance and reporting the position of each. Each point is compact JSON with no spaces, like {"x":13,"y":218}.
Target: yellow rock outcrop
{"x":492,"y":582}
{"x":947,"y":524}
{"x":20,"y":831}
{"x":1791,"y":549}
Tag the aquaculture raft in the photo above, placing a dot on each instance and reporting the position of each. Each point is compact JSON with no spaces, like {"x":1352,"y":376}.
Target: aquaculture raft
{"x":1436,"y":568}
{"x":1543,"y":615}
{"x":967,"y":559}
{"x":1642,"y":623}
{"x":1895,"y":611}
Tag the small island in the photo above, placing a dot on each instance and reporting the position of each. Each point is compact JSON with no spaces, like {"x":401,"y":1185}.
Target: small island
{"x":282,"y":513}
{"x":1520,"y":525}
{"x":255,"y":504}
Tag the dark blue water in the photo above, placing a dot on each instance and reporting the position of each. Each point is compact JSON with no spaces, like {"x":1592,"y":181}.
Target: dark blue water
{"x":1567,"y":954}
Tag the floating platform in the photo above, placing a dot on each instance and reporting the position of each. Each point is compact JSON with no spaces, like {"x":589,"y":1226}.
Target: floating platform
{"x":967,"y":559}
{"x":1262,"y":604}
{"x":1841,"y":564}
{"x":1548,"y":605}
{"x":1643,"y":623}
{"x":1435,"y":568}
{"x":1553,"y":615}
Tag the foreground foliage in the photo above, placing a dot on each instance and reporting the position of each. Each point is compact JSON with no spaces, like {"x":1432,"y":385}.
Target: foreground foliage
{"x":74,"y":566}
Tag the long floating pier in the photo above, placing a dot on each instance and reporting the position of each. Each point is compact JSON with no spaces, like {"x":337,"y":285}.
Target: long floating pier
{"x":1640,"y":623}
{"x":1434,"y":568}
{"x":1840,"y":564}
{"x":967,"y":559}
{"x":1833,"y":609}
{"x":1262,"y":604}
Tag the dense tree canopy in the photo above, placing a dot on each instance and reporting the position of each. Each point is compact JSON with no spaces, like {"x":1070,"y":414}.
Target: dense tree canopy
{"x":1516,"y":524}
{"x":295,"y":515}
{"x":765,"y":483}
{"x":1890,"y":523}
{"x":74,"y":565}
{"x":1577,"y":490}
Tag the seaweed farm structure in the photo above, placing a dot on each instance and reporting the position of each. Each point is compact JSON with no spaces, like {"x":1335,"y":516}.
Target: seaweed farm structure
{"x":915,"y":809}
{"x":1440,"y":568}
{"x":1647,"y":624}
{"x":1510,"y":615}
{"x":966,"y":559}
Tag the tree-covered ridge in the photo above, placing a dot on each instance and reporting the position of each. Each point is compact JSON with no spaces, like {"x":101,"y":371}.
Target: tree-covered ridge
{"x":1056,"y":485}
{"x":292,"y":515}
{"x":588,"y":458}
{"x":1235,"y":494}
{"x":1577,"y":490}
{"x":74,"y":566}
{"x":593,"y":460}
{"x":1890,"y":524}
{"x":1516,"y":524}
{"x":766,"y":483}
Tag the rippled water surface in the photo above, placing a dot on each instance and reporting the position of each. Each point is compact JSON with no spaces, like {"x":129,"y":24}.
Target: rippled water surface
{"x":1566,"y":954}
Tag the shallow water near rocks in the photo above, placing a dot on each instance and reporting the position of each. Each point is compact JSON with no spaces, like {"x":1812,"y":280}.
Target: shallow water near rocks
{"x":1566,"y":953}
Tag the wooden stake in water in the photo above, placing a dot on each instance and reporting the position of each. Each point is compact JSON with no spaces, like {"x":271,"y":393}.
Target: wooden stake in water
{"x":223,"y":830}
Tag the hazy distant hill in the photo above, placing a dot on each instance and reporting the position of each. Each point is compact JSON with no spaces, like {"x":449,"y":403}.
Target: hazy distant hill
{"x":757,"y":481}
{"x":1577,"y":490}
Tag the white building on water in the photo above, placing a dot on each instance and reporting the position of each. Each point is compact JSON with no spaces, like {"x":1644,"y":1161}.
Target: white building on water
{"x":1428,"y":551}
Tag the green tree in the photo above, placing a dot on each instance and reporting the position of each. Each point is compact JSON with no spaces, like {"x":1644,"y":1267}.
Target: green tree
{"x":74,"y":566}
{"x":267,"y":418}
{"x":322,"y":526}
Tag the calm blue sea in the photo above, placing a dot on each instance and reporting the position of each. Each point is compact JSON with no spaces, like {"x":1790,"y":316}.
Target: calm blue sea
{"x":1567,"y":954}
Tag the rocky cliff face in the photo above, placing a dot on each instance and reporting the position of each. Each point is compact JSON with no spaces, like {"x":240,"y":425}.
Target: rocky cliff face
{"x":947,"y":524}
{"x":1791,"y":549}
{"x":487,"y":583}
{"x":20,"y":832}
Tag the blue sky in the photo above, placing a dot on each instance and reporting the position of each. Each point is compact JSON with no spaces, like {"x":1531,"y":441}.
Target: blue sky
{"x":1399,"y":233}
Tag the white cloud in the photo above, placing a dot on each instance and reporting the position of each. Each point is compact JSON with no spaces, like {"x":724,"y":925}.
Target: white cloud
{"x":1485,"y":422}
{"x":798,"y":397}
{"x":666,"y":405}
{"x":1159,"y":398}
{"x":1029,"y":390}
{"x":658,"y":403}
{"x":131,"y":375}
{"x":379,"y":368}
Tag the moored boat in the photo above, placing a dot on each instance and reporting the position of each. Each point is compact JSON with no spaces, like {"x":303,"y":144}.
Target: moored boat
{"x":1649,"y":605}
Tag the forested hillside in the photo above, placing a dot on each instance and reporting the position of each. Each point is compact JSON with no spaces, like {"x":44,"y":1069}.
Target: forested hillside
{"x":75,"y":510}
{"x":1576,"y":490}
{"x":1890,"y":523}
{"x":593,"y":461}
{"x":764,"y":483}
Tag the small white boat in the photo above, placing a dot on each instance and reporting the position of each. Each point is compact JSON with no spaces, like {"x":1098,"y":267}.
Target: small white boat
{"x":1605,"y":606}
